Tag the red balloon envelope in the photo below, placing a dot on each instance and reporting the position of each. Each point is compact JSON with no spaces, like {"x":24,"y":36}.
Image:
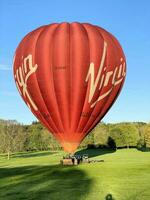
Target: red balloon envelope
{"x":69,"y":75}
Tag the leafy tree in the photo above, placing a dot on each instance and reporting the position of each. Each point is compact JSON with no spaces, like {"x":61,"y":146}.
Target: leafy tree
{"x":147,"y":135}
{"x":17,"y":137}
{"x":117,"y":136}
{"x":125,"y":135}
{"x":12,"y":138}
{"x":101,"y":133}
{"x":88,"y":140}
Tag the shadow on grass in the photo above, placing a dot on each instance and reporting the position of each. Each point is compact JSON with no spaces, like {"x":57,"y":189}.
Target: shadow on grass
{"x":94,"y":152}
{"x":109,"y":197}
{"x":144,"y":149}
{"x":44,"y":183}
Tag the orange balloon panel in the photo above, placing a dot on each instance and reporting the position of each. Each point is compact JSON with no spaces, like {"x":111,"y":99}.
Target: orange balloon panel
{"x":69,"y":75}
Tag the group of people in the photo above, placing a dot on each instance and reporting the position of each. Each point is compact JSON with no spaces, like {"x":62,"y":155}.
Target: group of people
{"x":76,"y":159}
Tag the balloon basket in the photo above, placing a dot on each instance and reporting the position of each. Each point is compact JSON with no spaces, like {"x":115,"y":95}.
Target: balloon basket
{"x":70,"y":160}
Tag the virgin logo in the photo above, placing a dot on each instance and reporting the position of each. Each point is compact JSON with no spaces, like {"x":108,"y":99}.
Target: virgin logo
{"x":104,"y":78}
{"x":22,"y":75}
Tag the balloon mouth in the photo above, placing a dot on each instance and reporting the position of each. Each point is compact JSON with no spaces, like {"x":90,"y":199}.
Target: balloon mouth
{"x":70,"y":147}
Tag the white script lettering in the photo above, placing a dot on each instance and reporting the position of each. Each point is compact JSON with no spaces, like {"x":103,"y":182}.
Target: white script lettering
{"x":103,"y":80}
{"x":22,"y":75}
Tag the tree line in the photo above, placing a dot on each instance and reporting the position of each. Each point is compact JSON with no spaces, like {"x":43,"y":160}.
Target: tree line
{"x":15,"y":137}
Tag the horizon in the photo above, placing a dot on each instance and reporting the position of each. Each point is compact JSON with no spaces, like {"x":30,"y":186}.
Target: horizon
{"x":18,"y":18}
{"x":36,"y":121}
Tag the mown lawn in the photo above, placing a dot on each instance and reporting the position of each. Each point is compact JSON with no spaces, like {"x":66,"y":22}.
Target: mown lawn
{"x":124,"y":175}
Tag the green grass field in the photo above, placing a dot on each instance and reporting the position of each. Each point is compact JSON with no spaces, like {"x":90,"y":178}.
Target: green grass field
{"x":124,"y":175}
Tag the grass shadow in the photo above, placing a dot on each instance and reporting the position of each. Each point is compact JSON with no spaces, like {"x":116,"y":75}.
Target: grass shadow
{"x":43,"y":183}
{"x":95,"y":152}
{"x":144,"y":149}
{"x":109,"y":197}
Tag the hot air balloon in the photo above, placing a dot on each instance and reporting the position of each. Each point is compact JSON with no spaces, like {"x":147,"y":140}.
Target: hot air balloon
{"x":69,"y":75}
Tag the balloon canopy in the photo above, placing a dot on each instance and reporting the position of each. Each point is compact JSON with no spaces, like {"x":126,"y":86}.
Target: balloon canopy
{"x":69,"y":75}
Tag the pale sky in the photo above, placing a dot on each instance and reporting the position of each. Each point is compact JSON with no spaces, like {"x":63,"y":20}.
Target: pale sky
{"x":127,"y":20}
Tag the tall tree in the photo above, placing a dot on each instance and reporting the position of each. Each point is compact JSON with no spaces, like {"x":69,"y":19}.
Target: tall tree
{"x":147,"y":135}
